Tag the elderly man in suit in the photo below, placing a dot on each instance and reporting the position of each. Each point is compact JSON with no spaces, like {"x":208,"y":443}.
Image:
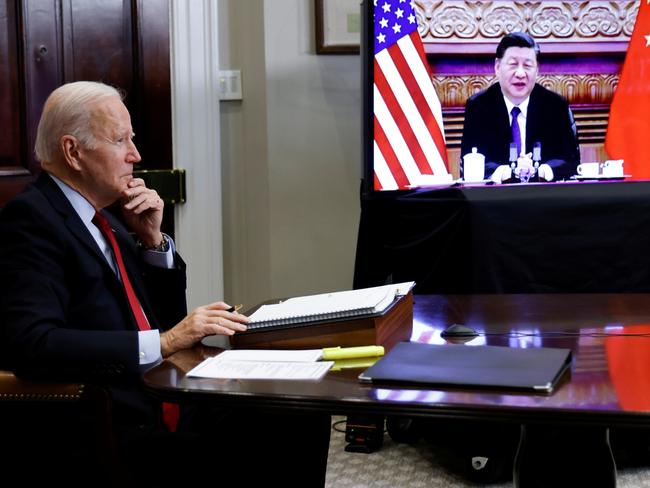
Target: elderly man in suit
{"x":517,"y":110}
{"x":90,"y":297}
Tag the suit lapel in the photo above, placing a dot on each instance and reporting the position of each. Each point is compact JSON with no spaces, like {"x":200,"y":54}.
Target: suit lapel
{"x":72,"y":221}
{"x":502,"y":117}
{"x":532,"y":120}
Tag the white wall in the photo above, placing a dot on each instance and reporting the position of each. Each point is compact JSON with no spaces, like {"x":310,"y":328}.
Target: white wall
{"x":245,"y":171}
{"x":290,"y":154}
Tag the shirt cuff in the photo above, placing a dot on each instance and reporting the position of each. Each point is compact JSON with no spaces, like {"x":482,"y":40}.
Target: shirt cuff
{"x":161,"y":259}
{"x":503,"y":172}
{"x":149,"y":346}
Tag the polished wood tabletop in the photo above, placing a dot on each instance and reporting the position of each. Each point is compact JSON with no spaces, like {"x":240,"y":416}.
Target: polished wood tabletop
{"x":608,"y":384}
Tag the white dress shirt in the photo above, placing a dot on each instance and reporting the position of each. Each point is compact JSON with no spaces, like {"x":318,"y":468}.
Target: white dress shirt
{"x":521,"y":120}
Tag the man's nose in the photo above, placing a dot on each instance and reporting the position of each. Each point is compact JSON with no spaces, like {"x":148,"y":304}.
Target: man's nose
{"x":134,"y":155}
{"x":520,"y":72}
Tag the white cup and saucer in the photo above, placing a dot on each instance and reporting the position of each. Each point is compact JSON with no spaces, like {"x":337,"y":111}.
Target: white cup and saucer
{"x":588,"y":170}
{"x":613,"y":168}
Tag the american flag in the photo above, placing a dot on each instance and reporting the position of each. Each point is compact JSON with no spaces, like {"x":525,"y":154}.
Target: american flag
{"x":408,"y":140}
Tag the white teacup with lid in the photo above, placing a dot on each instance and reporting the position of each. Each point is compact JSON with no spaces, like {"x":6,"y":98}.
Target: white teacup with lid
{"x":473,"y":166}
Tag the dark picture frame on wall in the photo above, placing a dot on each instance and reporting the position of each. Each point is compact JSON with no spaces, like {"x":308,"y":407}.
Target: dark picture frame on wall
{"x":338,"y":26}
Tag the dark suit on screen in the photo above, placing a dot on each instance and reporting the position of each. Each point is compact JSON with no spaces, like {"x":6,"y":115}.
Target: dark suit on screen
{"x":549,"y":121}
{"x":64,"y":312}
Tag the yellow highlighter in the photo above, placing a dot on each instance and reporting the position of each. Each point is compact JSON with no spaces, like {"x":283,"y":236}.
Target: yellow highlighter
{"x":334,"y":353}
{"x":354,"y":363}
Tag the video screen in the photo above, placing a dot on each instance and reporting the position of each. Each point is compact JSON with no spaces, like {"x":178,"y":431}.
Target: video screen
{"x":447,"y":101}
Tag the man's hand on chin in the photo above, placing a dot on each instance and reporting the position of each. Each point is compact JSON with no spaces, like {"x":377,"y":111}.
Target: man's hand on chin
{"x":143,"y":211}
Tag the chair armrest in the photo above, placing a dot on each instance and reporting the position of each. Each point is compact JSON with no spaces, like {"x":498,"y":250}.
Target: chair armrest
{"x":19,"y":389}
{"x":34,"y":406}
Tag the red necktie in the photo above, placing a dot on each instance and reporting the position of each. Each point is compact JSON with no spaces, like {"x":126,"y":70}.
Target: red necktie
{"x":170,"y":410}
{"x":140,"y":318}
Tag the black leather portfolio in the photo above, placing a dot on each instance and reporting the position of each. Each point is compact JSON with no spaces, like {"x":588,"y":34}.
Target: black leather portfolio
{"x":536,"y":369}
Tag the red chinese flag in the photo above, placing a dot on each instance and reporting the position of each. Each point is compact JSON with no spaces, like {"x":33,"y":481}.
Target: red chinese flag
{"x":628,"y":131}
{"x":628,"y":360}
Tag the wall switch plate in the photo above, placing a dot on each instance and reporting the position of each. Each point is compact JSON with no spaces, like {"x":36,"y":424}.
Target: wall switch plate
{"x":230,"y":84}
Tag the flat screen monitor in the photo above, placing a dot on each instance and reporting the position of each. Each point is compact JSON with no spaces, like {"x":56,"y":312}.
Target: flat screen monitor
{"x":412,"y":141}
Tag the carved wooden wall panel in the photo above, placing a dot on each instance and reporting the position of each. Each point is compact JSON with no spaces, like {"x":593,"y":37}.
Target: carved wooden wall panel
{"x":583,"y":45}
{"x":550,"y":21}
{"x":589,"y":96}
{"x":592,"y":88}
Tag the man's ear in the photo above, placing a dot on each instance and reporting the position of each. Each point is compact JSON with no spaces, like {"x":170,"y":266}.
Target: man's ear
{"x":497,"y":63}
{"x":70,"y":149}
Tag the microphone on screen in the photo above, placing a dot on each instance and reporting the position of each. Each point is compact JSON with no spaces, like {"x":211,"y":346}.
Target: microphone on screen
{"x":513,"y":158}
{"x":537,"y":154}
{"x":513,"y":155}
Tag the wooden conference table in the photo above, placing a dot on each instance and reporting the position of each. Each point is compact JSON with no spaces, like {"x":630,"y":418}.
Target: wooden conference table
{"x":608,"y":386}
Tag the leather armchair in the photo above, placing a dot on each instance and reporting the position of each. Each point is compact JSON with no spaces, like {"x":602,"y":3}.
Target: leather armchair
{"x":56,"y":431}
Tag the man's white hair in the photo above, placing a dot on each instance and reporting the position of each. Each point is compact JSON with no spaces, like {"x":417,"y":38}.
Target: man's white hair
{"x":68,"y":111}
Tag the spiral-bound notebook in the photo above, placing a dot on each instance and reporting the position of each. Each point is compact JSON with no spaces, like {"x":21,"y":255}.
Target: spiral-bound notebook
{"x":328,"y":306}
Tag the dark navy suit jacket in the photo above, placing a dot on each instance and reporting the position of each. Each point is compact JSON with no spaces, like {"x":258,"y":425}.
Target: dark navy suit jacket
{"x":63,"y":311}
{"x":549,"y":121}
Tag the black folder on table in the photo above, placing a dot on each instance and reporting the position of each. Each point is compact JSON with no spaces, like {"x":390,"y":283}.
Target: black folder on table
{"x":537,"y":369}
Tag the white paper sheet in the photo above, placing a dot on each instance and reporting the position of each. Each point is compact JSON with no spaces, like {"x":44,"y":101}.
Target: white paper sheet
{"x":218,"y":367}
{"x":286,"y":355}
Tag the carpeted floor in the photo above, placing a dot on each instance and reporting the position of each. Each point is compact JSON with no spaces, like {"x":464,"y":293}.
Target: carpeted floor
{"x":418,"y":466}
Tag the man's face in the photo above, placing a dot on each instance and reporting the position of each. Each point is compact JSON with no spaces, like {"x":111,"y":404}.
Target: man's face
{"x":108,"y":167}
{"x":517,"y":72}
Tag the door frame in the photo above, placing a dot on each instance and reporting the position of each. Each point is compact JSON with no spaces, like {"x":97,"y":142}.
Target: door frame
{"x":196,"y":145}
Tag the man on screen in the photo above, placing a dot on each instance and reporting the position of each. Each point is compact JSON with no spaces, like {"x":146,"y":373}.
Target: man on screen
{"x":518,"y":113}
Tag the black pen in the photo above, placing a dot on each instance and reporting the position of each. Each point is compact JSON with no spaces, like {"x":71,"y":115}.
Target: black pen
{"x":235,"y":308}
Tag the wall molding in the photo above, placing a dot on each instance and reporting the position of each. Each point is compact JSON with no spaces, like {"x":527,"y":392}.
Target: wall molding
{"x":196,"y":145}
